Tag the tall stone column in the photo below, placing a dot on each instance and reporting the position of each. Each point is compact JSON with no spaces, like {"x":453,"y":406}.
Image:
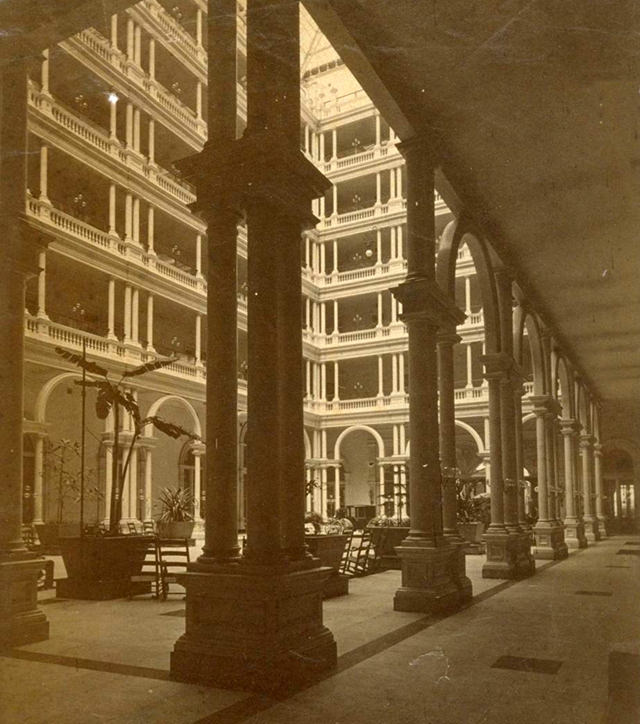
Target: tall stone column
{"x":432,"y":569}
{"x":20,"y":619}
{"x":549,"y":542}
{"x":271,"y":601}
{"x":508,"y":554}
{"x":518,"y":391}
{"x":597,"y":479}
{"x":38,"y":478}
{"x":573,"y":527}
{"x":591,"y":530}
{"x":446,"y":340}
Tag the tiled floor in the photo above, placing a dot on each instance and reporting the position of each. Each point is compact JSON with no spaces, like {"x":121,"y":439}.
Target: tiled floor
{"x":526,"y":652}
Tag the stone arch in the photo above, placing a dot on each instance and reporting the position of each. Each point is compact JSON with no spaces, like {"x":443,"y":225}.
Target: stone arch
{"x":474,"y":434}
{"x":307,"y":444}
{"x":563,"y":377}
{"x":153,"y":410}
{"x":583,"y":408}
{"x":365,"y":428}
{"x":463,"y":426}
{"x":529,"y":322}
{"x":628,"y":446}
{"x":40,"y":406}
{"x":456,"y":233}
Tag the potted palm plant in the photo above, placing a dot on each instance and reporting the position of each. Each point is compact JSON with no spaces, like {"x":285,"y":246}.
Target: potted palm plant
{"x":176,"y":518}
{"x":100,"y":566}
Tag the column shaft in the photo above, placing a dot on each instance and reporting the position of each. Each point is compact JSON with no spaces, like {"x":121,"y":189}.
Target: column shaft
{"x":446,"y":340}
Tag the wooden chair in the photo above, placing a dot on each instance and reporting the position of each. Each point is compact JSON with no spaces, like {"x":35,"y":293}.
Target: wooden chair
{"x":131,"y":528}
{"x":363,"y":554}
{"x":150,"y":572}
{"x":148,"y":526}
{"x":344,"y":561}
{"x":174,"y":558}
{"x":45,"y":577}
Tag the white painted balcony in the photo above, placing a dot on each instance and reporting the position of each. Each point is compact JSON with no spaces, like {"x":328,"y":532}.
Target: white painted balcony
{"x":472,"y":394}
{"x":171,"y":33}
{"x":473,"y":319}
{"x":364,"y":404}
{"x":362,"y":336}
{"x":121,"y":70}
{"x":111,"y":149}
{"x":357,"y":160}
{"x":66,"y":226}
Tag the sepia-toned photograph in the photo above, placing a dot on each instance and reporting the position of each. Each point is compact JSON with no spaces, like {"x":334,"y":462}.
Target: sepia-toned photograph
{"x":320,"y":361}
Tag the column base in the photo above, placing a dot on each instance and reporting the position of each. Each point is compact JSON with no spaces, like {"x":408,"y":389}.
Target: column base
{"x":433,"y":578}
{"x":592,"y":529}
{"x":550,"y":545}
{"x":574,"y":535}
{"x":253,"y":628}
{"x":21,"y":621}
{"x":508,"y":555}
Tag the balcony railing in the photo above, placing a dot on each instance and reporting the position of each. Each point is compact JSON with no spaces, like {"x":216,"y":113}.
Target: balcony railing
{"x":168,"y":28}
{"x":357,"y":159}
{"x":99,"y":139}
{"x":357,"y":405}
{"x":185,"y":118}
{"x":68,"y":225}
{"x":396,"y":331}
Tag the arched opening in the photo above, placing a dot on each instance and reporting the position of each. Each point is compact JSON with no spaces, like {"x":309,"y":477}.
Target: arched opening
{"x":360,"y":491}
{"x":620,"y":490}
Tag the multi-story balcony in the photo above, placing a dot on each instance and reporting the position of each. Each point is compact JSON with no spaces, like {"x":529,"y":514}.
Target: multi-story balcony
{"x":365,"y":161}
{"x":360,"y":339}
{"x":116,"y":255}
{"x":112,"y":65}
{"x":161,"y":25}
{"x":58,"y":125}
{"x":109,"y":350}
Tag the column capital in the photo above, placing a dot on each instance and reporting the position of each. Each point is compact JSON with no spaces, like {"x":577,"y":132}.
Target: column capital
{"x":540,"y":404}
{"x":420,"y":146}
{"x":568,"y":427}
{"x":448,"y":337}
{"x":422,"y":298}
{"x":198,"y":448}
{"x":497,"y":365}
{"x":586,"y":441}
{"x":260,"y":165}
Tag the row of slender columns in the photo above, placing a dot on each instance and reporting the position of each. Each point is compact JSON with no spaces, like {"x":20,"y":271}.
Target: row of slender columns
{"x":316,"y":314}
{"x":316,"y":252}
{"x":315,"y":142}
{"x":316,"y":377}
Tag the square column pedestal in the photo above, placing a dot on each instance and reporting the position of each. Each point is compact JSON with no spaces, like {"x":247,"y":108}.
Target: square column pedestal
{"x":508,"y":555}
{"x":550,"y":544}
{"x":253,"y":627}
{"x":21,"y":621}
{"x":574,"y":535}
{"x":433,"y":578}
{"x":592,"y":529}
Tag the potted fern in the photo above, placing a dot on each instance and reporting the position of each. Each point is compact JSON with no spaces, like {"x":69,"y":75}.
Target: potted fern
{"x":176,"y":519}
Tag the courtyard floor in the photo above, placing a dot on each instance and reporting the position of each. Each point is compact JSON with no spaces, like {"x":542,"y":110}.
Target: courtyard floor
{"x":538,"y":650}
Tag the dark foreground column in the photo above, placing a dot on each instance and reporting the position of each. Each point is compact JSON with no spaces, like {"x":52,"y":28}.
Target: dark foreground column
{"x":432,"y":569}
{"x":20,"y":619}
{"x":257,"y":623}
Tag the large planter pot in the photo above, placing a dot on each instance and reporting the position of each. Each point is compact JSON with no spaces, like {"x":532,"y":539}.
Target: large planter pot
{"x":175,"y":529}
{"x":391,"y":536}
{"x":49,"y":535}
{"x":100,"y":567}
{"x":329,"y":549}
{"x":472,"y":533}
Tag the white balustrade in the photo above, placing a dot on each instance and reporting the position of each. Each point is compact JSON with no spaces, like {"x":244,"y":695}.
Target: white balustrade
{"x":77,"y":229}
